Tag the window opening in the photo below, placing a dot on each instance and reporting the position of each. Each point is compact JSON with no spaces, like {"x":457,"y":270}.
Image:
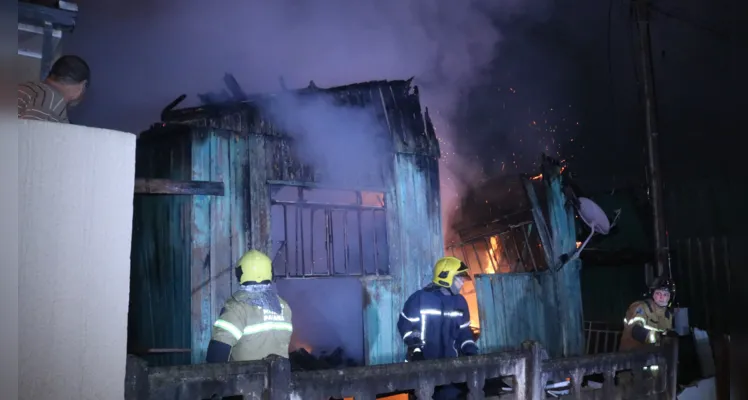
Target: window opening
{"x":325,"y":232}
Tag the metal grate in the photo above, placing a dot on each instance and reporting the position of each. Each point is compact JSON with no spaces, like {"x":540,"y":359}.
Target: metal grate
{"x":601,"y":337}
{"x":516,"y":249}
{"x":319,"y":233}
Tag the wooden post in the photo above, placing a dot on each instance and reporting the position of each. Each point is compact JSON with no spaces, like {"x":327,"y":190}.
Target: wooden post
{"x":641,"y":11}
{"x":279,"y":378}
{"x":136,"y":379}
{"x":168,"y":186}
{"x":534,"y":389}
{"x":672,"y":369}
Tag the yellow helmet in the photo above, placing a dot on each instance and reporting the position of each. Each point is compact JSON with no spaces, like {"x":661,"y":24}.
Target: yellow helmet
{"x":254,"y":266}
{"x":446,"y":269}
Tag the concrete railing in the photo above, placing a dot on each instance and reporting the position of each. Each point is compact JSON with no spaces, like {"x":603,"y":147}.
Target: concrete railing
{"x":272,"y":378}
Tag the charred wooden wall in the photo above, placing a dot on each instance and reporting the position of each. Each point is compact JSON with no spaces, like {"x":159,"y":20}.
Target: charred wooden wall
{"x":186,"y":247}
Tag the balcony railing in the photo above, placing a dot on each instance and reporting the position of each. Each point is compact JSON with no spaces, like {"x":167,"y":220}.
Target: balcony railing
{"x":528,"y":369}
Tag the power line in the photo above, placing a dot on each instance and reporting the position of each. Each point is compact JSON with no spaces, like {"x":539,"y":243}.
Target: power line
{"x":690,"y":21}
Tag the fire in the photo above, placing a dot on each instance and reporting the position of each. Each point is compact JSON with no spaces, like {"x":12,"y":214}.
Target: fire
{"x":540,"y":176}
{"x":579,"y":244}
{"x":491,"y":259}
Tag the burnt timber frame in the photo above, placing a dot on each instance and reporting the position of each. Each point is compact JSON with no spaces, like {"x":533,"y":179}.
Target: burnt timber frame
{"x":169,"y":186}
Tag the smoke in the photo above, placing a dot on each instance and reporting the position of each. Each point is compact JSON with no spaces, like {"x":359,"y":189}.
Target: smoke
{"x":344,"y":143}
{"x":144,"y":54}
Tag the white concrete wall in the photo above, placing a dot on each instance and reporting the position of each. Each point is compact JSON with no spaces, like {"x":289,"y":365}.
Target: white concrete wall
{"x":75,"y":222}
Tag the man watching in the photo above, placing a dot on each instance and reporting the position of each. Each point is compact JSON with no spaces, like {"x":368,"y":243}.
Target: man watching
{"x":50,"y":99}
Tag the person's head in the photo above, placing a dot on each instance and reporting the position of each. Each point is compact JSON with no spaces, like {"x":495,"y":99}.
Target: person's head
{"x":450,"y":273}
{"x":253,"y":268}
{"x":71,"y":76}
{"x":663,"y":292}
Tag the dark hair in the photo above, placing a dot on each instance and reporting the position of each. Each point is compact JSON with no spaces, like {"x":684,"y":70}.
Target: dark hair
{"x":71,"y":70}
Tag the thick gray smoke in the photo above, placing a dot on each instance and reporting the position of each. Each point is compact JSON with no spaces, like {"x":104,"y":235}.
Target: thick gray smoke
{"x":343,"y":143}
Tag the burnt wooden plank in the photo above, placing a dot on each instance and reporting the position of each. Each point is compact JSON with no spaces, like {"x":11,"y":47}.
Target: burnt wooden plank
{"x":379,"y":317}
{"x":568,"y":286}
{"x":259,"y":195}
{"x":488,"y":314}
{"x":169,"y":186}
{"x":239,"y":193}
{"x":222,"y":270}
{"x":201,"y":263}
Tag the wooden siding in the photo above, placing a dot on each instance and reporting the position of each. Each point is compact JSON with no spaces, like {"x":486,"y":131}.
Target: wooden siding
{"x":516,"y":307}
{"x":706,"y":219}
{"x":159,"y":314}
{"x":415,"y":243}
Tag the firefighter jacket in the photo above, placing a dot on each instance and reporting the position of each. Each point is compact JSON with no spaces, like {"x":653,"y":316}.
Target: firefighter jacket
{"x":438,"y":323}
{"x":645,"y":324}
{"x":252,"y":330}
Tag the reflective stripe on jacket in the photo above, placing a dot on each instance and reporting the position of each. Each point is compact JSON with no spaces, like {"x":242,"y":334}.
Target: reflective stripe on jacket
{"x":253,"y":332}
{"x":654,"y":319}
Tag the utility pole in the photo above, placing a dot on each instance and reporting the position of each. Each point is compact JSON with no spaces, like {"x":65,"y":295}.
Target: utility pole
{"x":641,"y":12}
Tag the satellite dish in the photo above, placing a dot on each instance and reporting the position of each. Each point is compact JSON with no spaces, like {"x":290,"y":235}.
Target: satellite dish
{"x":595,"y":218}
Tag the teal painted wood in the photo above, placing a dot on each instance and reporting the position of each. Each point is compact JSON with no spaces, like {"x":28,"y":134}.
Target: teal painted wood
{"x":379,"y":317}
{"x":221,"y":219}
{"x":540,"y":222}
{"x":201,"y":238}
{"x":239,"y":192}
{"x":414,"y":236}
{"x":516,"y":307}
{"x":159,"y":314}
{"x":568,"y":286}
{"x":258,"y":194}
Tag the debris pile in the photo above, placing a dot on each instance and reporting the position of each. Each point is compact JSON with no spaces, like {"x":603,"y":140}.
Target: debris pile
{"x":302,"y":360}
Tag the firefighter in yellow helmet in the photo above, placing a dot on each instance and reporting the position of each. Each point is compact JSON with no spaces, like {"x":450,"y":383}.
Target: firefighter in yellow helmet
{"x":255,"y":322}
{"x":435,"y":321}
{"x":648,"y":321}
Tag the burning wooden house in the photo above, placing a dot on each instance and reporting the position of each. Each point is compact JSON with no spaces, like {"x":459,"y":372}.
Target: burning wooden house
{"x":517,"y":235}
{"x":218,"y":180}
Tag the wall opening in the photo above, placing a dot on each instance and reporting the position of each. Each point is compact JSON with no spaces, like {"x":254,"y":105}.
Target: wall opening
{"x":323,"y":241}
{"x":514,"y":249}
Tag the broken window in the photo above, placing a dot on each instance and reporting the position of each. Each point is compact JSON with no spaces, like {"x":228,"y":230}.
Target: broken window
{"x":324,"y":232}
{"x":516,"y":249}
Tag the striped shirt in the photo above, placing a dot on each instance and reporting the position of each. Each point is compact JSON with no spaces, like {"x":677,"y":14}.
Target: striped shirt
{"x":42,"y":102}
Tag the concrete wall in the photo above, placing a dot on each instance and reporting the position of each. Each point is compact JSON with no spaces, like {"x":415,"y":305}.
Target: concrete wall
{"x":75,"y":223}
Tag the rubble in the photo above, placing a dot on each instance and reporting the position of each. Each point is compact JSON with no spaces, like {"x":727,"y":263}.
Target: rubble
{"x":302,"y":360}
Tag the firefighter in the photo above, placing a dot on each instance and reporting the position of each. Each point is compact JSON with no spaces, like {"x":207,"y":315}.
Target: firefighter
{"x":255,"y":322}
{"x":435,"y":321}
{"x":648,"y":321}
